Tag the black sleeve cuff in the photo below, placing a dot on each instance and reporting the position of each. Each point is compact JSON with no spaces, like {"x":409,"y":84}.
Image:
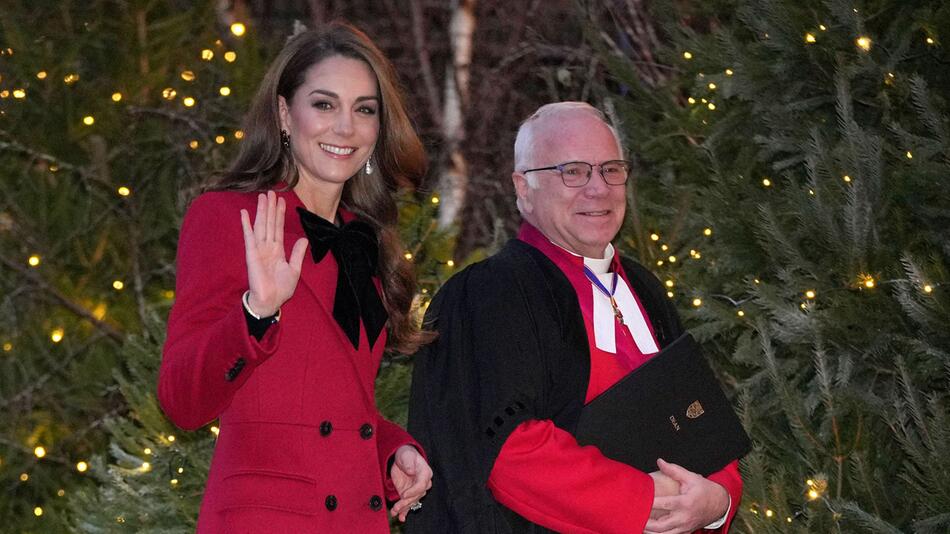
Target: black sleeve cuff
{"x":258,"y":327}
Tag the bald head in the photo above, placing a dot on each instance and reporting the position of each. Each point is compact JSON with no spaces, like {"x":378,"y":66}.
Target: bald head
{"x":543,"y":126}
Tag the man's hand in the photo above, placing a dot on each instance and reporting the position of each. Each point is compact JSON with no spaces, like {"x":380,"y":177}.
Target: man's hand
{"x":699,"y":503}
{"x":412,"y":477}
{"x":663,"y":486}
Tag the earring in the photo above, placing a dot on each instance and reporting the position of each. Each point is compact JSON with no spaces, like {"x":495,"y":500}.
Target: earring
{"x":285,"y":139}
{"x":369,"y":167}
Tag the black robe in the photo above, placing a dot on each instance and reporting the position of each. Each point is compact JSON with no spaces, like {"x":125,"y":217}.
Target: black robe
{"x":512,"y":347}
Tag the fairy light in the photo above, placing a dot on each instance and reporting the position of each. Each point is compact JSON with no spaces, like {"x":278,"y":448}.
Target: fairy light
{"x":822,"y":27}
{"x":846,"y":178}
{"x":669,"y":294}
{"x":5,"y":93}
{"x":691,"y":100}
{"x":118,"y":285}
{"x":697,"y":302}
{"x":930,"y":41}
{"x":24,"y":477}
{"x":224,"y":91}
{"x":38,"y":511}
{"x":171,"y":439}
{"x":688,"y":55}
{"x":766,"y":182}
{"x":39,"y":451}
{"x":82,"y":466}
{"x":174,"y":482}
{"x":450,"y":263}
{"x":188,"y":76}
{"x":729,"y":72}
{"x":864,"y":43}
{"x":57,"y":335}
{"x":868,"y":281}
{"x":769,"y":513}
{"x":927,"y":289}
{"x":669,"y":283}
{"x":88,"y":120}
{"x":61,"y":492}
{"x":810,"y":294}
{"x":664,"y":248}
{"x":655,"y":237}
{"x":100,"y":311}
{"x":207,"y":54}
{"x":147,"y":451}
{"x":230,"y":56}
{"x":70,"y":79}
{"x":434,"y":199}
{"x":145,"y":467}
{"x":711,"y":106}
{"x":123,"y":191}
{"x":188,"y":101}
{"x":238,"y":29}
{"x":707,"y":232}
{"x":194,"y":144}
{"x":181,"y":470}
{"x":215,"y":430}
{"x":712,"y":86}
{"x":41,"y":75}
{"x":909,"y":155}
{"x":740,"y":313}
{"x":672,"y":259}
{"x":168,"y":93}
{"x":219,"y":139}
{"x":33,"y":260}
{"x":116,"y":97}
{"x":659,"y":263}
{"x":810,"y":38}
{"x":407,"y":255}
{"x":7,"y":347}
{"x":238,"y":134}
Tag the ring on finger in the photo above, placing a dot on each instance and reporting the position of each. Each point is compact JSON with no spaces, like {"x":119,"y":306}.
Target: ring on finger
{"x":415,"y":507}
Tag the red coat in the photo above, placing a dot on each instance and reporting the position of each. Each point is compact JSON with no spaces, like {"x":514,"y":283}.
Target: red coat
{"x":302,"y":447}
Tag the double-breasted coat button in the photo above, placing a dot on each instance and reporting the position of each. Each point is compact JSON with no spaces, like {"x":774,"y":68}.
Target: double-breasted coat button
{"x":366,"y":431}
{"x":375,"y":503}
{"x":331,"y":502}
{"x":235,"y":370}
{"x":325,"y":428}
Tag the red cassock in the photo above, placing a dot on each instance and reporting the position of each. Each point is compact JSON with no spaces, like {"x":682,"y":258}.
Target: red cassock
{"x":544,"y":475}
{"x":302,"y":447}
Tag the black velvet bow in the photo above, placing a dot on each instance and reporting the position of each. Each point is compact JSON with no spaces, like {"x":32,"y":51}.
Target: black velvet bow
{"x":356,"y":250}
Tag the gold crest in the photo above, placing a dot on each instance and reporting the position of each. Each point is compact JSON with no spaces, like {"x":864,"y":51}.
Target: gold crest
{"x":695,"y":410}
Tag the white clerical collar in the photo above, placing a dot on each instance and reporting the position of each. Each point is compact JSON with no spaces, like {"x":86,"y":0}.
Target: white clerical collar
{"x":605,"y":322}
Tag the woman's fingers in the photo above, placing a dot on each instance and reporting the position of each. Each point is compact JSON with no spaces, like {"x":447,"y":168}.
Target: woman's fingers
{"x":279,"y":222}
{"x":260,"y":219}
{"x":271,"y":218}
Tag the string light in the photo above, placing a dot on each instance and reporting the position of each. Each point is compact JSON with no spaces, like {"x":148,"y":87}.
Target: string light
{"x":868,"y":281}
{"x":168,"y":93}
{"x":909,"y":155}
{"x":39,"y":451}
{"x":24,"y":477}
{"x":147,"y":451}
{"x":88,"y":120}
{"x":219,"y":139}
{"x":688,"y":55}
{"x":7,"y":347}
{"x":70,"y":79}
{"x":669,"y":283}
{"x":82,"y":466}
{"x":729,"y":72}
{"x":711,"y":106}
{"x":697,"y":302}
{"x":215,"y":430}
{"x":41,"y":75}
{"x":769,"y":513}
{"x":434,"y":199}
{"x":822,"y":27}
{"x":181,"y":470}
{"x":61,"y":492}
{"x":38,"y":511}
{"x":740,"y":313}
{"x":846,"y":178}
{"x":659,"y":263}
{"x":864,"y":43}
{"x":168,"y":294}
{"x":57,"y":335}
{"x":19,"y":93}
{"x":5,"y":93}
{"x":238,"y":29}
{"x":194,"y":144}
{"x":187,"y":75}
{"x":408,"y":255}
{"x":230,"y":56}
{"x":810,"y":38}
{"x":450,"y":263}
{"x":207,"y":54}
{"x":145,"y":467}
{"x":116,"y":97}
{"x":33,"y":260}
{"x":655,"y":237}
{"x":927,"y":289}
{"x":224,"y":91}
{"x":123,"y":191}
{"x":930,"y":41}
{"x":118,"y":285}
{"x":664,"y":248}
{"x":766,"y":182}
{"x":810,"y":294}
{"x":707,"y":232}
{"x":669,"y":294}
{"x":691,"y":100}
{"x":171,"y":439}
{"x":712,"y":86}
{"x":672,"y":259}
{"x":174,"y":482}
{"x":188,"y":101}
{"x":238,"y":134}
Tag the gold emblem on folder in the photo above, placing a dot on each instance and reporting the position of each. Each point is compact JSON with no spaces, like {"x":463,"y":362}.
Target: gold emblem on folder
{"x":695,"y":410}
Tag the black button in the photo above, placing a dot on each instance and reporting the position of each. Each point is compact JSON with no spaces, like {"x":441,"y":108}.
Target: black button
{"x":235,"y":370}
{"x":325,"y":428}
{"x":331,"y":502}
{"x":375,"y":503}
{"x":366,"y":431}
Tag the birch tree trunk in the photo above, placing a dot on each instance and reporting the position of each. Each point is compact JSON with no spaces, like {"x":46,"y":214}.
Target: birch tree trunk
{"x":453,"y":182}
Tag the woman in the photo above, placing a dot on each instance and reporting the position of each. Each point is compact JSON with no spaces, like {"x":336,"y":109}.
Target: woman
{"x":288,"y":368}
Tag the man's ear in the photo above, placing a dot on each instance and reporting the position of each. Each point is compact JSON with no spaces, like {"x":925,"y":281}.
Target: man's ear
{"x":283,"y":110}
{"x":522,"y":187}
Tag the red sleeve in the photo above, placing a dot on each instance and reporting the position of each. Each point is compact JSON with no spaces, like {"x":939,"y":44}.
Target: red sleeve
{"x":545,"y":476}
{"x":207,"y":330}
{"x":729,"y":478}
{"x":389,"y":437}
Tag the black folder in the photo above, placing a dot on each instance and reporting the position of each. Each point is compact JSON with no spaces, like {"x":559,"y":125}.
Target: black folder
{"x":671,"y":407}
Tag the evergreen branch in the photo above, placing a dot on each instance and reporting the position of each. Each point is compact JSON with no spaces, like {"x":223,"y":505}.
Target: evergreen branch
{"x":66,"y":302}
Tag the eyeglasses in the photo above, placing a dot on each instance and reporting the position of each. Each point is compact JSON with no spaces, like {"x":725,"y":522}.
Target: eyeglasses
{"x":577,"y":173}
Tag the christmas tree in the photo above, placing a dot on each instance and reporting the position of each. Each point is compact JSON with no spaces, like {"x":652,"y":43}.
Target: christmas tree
{"x":789,"y":193}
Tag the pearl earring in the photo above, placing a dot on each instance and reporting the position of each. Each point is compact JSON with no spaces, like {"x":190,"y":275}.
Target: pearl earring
{"x":369,"y":167}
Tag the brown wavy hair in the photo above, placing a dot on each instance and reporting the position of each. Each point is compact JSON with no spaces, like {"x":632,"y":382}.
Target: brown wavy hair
{"x":262,"y":162}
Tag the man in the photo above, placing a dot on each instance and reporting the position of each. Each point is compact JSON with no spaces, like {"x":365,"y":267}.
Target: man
{"x":527,"y":338}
